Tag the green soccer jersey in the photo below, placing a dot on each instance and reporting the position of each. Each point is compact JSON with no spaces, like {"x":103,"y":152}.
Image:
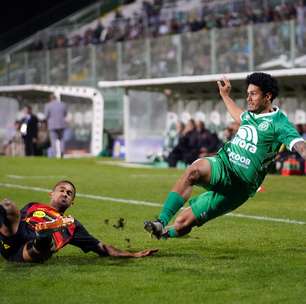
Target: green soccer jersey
{"x":256,"y":144}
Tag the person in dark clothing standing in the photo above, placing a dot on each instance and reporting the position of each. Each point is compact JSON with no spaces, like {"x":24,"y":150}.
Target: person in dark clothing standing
{"x":29,"y":131}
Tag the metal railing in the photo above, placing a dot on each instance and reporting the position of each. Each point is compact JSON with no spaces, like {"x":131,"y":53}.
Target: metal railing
{"x":253,"y":47}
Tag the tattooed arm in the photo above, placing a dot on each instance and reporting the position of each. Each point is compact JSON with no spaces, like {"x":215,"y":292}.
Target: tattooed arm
{"x":300,"y":147}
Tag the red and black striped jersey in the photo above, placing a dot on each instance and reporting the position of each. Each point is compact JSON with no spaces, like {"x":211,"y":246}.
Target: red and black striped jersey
{"x":35,"y":213}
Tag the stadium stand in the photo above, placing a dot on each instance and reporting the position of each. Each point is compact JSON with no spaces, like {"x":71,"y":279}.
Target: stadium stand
{"x":163,"y":38}
{"x":153,"y":18}
{"x":218,"y":36}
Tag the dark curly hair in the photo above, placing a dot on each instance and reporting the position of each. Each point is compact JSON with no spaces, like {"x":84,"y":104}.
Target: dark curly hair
{"x":265,"y":82}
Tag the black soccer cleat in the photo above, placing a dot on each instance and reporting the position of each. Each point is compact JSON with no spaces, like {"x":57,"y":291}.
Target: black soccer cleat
{"x":155,"y":228}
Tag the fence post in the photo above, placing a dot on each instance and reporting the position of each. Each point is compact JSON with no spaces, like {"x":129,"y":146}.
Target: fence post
{"x":251,"y":46}
{"x":213,"y":55}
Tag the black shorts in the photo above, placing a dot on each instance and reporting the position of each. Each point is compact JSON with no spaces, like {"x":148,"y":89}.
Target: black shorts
{"x":15,"y":256}
{"x":11,"y":248}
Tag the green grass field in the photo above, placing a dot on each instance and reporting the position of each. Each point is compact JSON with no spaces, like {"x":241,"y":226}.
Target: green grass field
{"x":228,"y":260}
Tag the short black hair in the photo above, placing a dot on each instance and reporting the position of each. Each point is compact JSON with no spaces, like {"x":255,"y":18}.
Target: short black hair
{"x":265,"y":82}
{"x":65,"y":182}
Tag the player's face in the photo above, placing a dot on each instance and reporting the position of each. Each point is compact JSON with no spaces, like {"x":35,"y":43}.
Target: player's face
{"x":62,"y":197}
{"x":257,"y":102}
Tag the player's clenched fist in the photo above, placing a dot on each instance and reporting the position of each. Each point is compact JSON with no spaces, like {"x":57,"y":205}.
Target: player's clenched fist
{"x":224,"y":86}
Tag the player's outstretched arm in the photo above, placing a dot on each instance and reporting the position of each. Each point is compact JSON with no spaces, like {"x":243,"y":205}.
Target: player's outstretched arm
{"x":110,"y":250}
{"x":224,"y":90}
{"x":300,"y":147}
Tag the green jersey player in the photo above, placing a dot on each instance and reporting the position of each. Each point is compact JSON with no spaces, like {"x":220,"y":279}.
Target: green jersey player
{"x":238,"y":169}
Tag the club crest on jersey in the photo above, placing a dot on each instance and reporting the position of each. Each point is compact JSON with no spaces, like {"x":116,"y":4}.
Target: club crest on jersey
{"x":246,"y":138}
{"x":39,"y":213}
{"x":5,"y":246}
{"x":263,"y":126}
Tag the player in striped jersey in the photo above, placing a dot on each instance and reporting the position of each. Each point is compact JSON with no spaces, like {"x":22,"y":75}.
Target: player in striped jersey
{"x":39,"y":230}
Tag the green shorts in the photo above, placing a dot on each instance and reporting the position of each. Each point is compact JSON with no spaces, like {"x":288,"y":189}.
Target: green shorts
{"x":226,"y":192}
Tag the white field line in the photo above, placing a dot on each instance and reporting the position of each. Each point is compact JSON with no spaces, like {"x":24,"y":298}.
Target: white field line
{"x":90,"y":196}
{"x":124,"y":164}
{"x":152,"y":204}
{"x":265,"y":218}
{"x":13,"y":176}
{"x":151,"y":175}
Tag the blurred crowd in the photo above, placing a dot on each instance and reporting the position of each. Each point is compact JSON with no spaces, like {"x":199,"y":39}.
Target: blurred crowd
{"x":32,"y":136}
{"x":32,"y":142}
{"x":291,"y":163}
{"x":153,"y":20}
{"x":186,"y":142}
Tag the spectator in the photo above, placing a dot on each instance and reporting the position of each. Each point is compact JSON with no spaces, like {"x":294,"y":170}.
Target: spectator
{"x":29,"y":131}
{"x":55,"y":113}
{"x":208,"y":142}
{"x":301,"y":27}
{"x":97,"y":32}
{"x":230,"y":131}
{"x":43,"y":141}
{"x":108,"y":143}
{"x":187,"y":148}
{"x":150,"y":21}
{"x":285,"y":159}
{"x":14,"y":146}
{"x":151,"y":17}
{"x":172,"y":137}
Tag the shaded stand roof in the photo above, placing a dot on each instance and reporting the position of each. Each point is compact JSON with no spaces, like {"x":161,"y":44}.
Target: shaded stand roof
{"x":291,"y":82}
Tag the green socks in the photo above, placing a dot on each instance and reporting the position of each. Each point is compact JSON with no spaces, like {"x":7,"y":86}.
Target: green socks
{"x":172,"y":204}
{"x":172,"y":233}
